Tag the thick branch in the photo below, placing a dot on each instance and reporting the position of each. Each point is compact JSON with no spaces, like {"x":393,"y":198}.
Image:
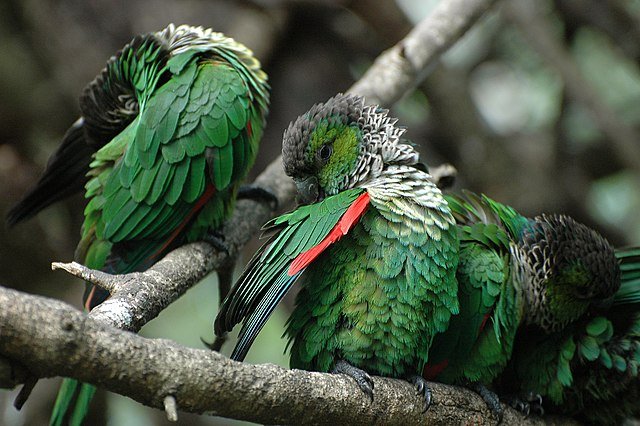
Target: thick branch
{"x":405,"y":65}
{"x":51,"y":338}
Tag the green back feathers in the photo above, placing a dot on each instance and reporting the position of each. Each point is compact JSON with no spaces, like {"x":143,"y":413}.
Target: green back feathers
{"x":589,"y":368}
{"x":192,"y":132}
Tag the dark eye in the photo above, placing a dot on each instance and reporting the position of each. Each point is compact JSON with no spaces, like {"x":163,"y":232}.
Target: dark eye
{"x":583,"y":292}
{"x":325,"y":152}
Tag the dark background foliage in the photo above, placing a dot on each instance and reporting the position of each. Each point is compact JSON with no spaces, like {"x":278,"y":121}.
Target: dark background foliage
{"x":538,"y":107}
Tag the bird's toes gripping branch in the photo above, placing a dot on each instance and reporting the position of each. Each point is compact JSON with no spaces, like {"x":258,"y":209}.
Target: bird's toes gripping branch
{"x":422,"y":388}
{"x":490,"y":398}
{"x":362,"y":378}
{"x":258,"y":193}
{"x":528,"y":403}
{"x":217,"y":240}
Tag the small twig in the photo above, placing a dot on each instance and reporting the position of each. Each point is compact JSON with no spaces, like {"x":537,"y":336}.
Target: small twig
{"x":101,"y":279}
{"x":24,"y":393}
{"x":171,"y":408}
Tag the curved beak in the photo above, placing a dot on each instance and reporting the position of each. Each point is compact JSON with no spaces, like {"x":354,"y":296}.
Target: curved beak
{"x":308,"y":189}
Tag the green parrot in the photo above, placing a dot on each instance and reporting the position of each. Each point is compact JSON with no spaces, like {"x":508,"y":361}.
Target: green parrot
{"x":169,"y":130}
{"x":515,"y":272}
{"x":375,"y":248}
{"x":588,"y":370}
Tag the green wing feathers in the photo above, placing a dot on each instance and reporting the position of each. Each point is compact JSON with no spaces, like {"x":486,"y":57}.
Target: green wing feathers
{"x":629,"y":292}
{"x":470,"y":208}
{"x":478,"y":341}
{"x":76,"y":393}
{"x":196,"y":136}
{"x":266,"y":279}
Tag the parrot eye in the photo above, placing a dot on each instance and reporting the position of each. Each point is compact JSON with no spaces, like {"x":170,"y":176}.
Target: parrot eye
{"x":325,"y":152}
{"x":583,"y":292}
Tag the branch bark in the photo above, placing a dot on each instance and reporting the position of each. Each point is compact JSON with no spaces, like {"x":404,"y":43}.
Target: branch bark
{"x":406,"y":64}
{"x":52,"y":338}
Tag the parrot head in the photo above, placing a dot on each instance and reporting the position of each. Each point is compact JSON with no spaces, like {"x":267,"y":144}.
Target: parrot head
{"x":341,"y":144}
{"x":572,"y":269}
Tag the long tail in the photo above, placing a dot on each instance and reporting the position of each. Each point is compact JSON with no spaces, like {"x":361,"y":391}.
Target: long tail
{"x":74,"y":398}
{"x":72,"y":393}
{"x":64,"y":175}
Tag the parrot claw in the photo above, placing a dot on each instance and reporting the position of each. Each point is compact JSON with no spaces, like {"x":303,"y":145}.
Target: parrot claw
{"x":217,"y":343}
{"x":362,"y":378}
{"x":216,"y":239}
{"x":527,"y":404}
{"x":422,"y":389}
{"x":490,"y":398}
{"x":258,"y":193}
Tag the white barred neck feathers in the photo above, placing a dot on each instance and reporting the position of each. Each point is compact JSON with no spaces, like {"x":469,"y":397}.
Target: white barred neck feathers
{"x":344,"y":143}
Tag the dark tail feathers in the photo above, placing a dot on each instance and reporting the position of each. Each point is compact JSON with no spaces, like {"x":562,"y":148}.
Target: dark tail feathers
{"x":64,"y":175}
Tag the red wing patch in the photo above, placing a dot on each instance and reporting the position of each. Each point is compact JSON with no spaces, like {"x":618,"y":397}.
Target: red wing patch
{"x":206,"y":196}
{"x":346,"y":222}
{"x":484,"y":322}
{"x":431,"y":372}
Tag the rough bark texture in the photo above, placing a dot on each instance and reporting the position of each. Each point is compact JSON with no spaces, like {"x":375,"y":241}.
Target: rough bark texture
{"x":407,"y":63}
{"x":52,"y":338}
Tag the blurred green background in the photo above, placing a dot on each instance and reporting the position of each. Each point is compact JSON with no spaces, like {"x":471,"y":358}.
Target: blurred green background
{"x":538,"y":106}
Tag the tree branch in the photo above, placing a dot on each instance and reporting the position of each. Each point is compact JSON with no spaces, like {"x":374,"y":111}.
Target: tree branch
{"x":140,"y":296}
{"x":406,"y":64}
{"x":52,"y":338}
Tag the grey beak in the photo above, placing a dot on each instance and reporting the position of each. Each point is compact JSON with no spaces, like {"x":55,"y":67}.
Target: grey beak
{"x":308,"y":189}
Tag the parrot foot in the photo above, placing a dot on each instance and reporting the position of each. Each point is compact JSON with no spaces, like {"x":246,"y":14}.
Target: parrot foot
{"x":217,"y":343}
{"x":490,"y":398}
{"x":422,"y":388}
{"x":258,"y":193}
{"x":362,"y":378}
{"x":216,"y":239}
{"x":527,"y":404}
